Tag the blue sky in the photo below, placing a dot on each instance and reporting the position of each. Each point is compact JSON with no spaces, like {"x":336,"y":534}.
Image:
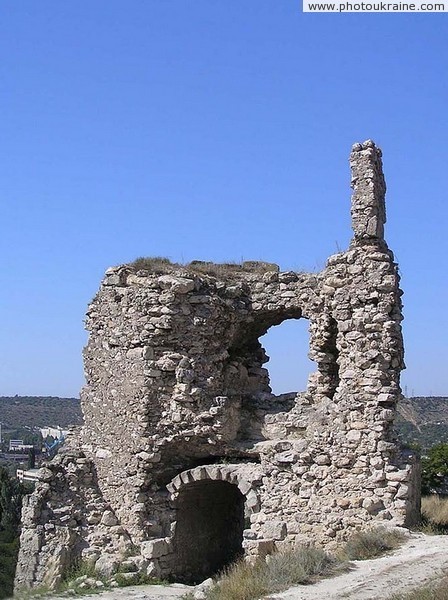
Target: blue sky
{"x":217,"y":130}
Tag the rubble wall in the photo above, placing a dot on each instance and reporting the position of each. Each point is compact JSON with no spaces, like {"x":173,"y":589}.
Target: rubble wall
{"x":178,"y":397}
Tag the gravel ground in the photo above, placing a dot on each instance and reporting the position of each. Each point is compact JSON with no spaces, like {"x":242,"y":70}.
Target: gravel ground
{"x":138,"y":592}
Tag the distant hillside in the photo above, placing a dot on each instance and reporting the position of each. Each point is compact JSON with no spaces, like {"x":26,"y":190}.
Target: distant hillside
{"x":38,"y":411}
{"x":423,"y":420}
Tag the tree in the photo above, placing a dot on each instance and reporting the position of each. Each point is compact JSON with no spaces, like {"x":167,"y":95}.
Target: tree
{"x":31,"y":458}
{"x":435,"y":469}
{"x":11,"y":493}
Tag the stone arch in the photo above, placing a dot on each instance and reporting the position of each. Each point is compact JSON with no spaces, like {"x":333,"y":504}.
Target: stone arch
{"x":211,"y":504}
{"x":246,"y":476}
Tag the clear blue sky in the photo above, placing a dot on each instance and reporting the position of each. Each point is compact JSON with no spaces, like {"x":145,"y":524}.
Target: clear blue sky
{"x":210,"y":129}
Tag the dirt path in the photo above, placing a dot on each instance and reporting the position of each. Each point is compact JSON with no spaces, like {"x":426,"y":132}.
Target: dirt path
{"x":418,"y":561}
{"x":138,"y":592}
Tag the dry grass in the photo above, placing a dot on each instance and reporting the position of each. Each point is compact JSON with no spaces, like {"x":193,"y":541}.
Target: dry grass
{"x":225,"y":269}
{"x":372,"y":543}
{"x":304,"y":565}
{"x":41,"y":591}
{"x":434,"y":591}
{"x":163,"y":265}
{"x":240,"y":582}
{"x":434,"y":514}
{"x":155,"y":264}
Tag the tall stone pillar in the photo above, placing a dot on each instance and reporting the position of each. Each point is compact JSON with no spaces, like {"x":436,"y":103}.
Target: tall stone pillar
{"x":368,"y":209}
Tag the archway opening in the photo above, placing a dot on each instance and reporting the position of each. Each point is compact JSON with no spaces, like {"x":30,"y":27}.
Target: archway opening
{"x":209,"y":529}
{"x":287,"y":346}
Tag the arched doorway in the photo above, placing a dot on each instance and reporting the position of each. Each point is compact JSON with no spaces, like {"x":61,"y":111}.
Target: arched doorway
{"x":209,"y":529}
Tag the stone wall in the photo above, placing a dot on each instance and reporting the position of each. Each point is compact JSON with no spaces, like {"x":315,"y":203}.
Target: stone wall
{"x":179,"y":413}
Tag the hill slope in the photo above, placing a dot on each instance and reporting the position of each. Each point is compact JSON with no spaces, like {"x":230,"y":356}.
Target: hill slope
{"x":39,"y":411}
{"x":423,"y":420}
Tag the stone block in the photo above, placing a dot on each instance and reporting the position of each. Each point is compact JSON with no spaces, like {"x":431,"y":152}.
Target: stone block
{"x":253,"y":501}
{"x":44,"y":474}
{"x":178,"y":285}
{"x":259,"y":548}
{"x":106,"y":565}
{"x":275,"y":530}
{"x":155,"y":548}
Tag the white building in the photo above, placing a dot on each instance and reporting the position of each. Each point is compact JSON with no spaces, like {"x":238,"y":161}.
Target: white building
{"x":55,"y":432}
{"x":18,"y":445}
{"x":27,"y":475}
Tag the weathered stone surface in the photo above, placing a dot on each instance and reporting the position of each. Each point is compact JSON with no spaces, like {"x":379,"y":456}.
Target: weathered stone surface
{"x":108,"y":518}
{"x":181,"y":426}
{"x":155,"y":548}
{"x":179,"y":285}
{"x":106,"y":566}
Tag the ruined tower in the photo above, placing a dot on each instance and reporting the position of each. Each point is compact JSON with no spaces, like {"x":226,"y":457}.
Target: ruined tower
{"x":186,"y":459}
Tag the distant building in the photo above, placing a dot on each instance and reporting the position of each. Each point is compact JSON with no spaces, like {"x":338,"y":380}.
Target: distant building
{"x":27,"y":475}
{"x":54,"y":432}
{"x":19,"y":446}
{"x":14,"y":444}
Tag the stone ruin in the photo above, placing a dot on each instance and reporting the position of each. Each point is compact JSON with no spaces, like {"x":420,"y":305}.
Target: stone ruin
{"x":186,"y":459}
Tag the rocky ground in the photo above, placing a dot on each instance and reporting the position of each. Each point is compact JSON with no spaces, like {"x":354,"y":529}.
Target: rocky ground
{"x":420,"y":560}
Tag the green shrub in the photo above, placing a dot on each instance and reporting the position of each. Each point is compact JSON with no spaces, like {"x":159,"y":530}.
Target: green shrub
{"x":81,"y":578}
{"x":373,"y":543}
{"x":80,"y":568}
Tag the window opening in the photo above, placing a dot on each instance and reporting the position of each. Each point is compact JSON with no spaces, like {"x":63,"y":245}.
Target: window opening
{"x":287,"y":346}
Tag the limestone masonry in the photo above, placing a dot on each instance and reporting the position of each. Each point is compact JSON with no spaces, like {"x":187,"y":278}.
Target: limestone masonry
{"x":186,"y":459}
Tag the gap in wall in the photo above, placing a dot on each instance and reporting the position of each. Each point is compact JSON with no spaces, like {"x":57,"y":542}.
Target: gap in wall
{"x":287,"y":346}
